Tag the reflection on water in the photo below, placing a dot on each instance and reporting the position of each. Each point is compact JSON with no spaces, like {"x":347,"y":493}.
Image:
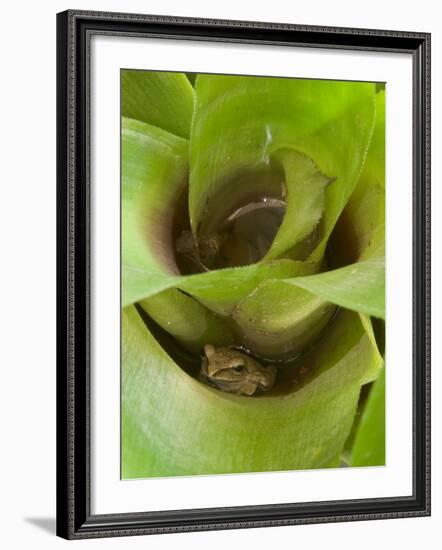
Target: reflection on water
{"x":246,"y":235}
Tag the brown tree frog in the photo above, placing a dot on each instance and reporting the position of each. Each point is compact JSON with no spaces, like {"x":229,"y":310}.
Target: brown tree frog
{"x":235,"y":372}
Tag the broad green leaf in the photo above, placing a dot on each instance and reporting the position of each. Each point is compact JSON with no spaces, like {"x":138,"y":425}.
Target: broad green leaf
{"x":221,"y":290}
{"x":370,"y":192}
{"x":360,"y":232}
{"x":359,"y":286}
{"x":240,"y":123}
{"x":174,"y":425}
{"x":374,"y":167}
{"x":158,"y":98}
{"x":154,"y":175}
{"x":369,"y":444}
{"x":305,"y":188}
{"x":187,"y":320}
{"x":279,"y":320}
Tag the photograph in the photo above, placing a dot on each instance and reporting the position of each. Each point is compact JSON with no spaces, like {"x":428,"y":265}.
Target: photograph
{"x":252,"y":273}
{"x":217,"y":262}
{"x":244,"y":274}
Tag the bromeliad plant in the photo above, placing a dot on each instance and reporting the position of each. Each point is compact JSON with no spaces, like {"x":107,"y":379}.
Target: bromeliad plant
{"x":252,"y":267}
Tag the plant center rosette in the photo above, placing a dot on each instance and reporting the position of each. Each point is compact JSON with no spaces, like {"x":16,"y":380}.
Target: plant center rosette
{"x":253,"y":219}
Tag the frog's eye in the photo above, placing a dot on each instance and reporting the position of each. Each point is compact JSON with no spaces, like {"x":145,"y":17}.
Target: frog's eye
{"x":238,"y":366}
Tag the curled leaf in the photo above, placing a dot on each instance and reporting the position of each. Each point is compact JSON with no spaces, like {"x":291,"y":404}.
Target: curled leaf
{"x":240,"y":123}
{"x":187,"y":320}
{"x":174,"y":425}
{"x":154,"y":174}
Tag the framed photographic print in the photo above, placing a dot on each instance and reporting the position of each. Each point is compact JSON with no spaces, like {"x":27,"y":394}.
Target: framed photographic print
{"x":243,"y":274}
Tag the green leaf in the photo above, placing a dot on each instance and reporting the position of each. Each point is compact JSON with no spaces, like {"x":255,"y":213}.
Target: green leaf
{"x":223,"y":289}
{"x":187,"y":320}
{"x":154,"y":175}
{"x":174,"y":425}
{"x":158,"y":98}
{"x":374,"y":167}
{"x":305,"y":187}
{"x":360,"y":232}
{"x":278,"y":320}
{"x":240,"y":123}
{"x":359,"y":286}
{"x":369,"y":444}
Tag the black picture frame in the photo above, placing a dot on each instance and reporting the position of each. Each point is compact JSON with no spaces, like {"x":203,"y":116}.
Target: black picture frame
{"x":74,"y":518}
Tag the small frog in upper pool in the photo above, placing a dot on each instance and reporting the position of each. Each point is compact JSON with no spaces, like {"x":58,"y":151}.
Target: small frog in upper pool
{"x":235,"y":372}
{"x":202,"y":254}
